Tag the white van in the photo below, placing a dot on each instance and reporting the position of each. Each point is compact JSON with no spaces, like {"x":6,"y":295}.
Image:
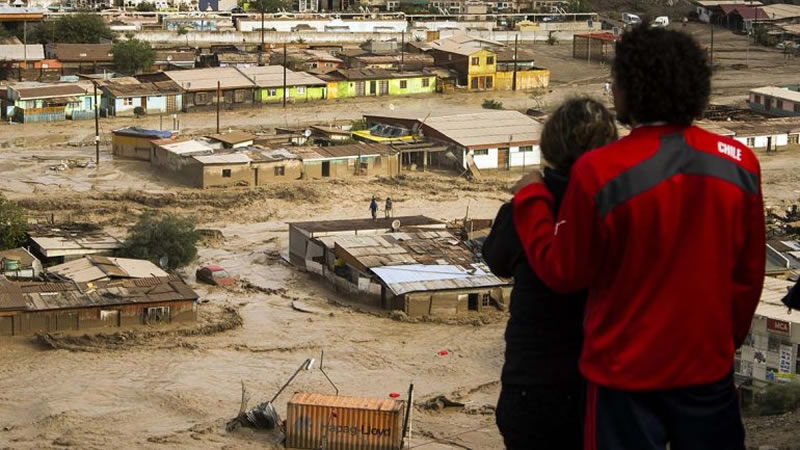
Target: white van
{"x":661,"y":21}
{"x":631,"y":19}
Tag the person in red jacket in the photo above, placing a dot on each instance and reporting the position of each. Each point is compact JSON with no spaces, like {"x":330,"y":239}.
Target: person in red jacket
{"x":665,"y":228}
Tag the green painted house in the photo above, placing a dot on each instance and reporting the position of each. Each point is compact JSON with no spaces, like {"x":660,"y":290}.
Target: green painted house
{"x":301,"y":86}
{"x":345,"y":83}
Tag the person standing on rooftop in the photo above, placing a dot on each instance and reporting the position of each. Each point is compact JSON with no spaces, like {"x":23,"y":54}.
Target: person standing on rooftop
{"x":665,"y":228}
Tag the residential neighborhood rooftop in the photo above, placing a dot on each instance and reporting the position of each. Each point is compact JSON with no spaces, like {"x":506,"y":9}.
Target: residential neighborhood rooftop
{"x":272,"y":76}
{"x":206,"y":79}
{"x":20,"y":52}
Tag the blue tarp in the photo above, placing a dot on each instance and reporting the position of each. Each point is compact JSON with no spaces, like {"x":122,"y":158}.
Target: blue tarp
{"x":143,"y":133}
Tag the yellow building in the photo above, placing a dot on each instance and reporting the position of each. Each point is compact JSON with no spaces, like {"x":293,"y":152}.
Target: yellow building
{"x":475,"y":65}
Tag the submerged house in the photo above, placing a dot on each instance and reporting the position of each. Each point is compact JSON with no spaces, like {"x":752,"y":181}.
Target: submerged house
{"x":300,"y":86}
{"x":38,"y":102}
{"x":424,"y":272}
{"x":27,"y":308}
{"x":135,"y":143}
{"x":479,"y":139}
{"x":122,"y":97}
{"x":95,"y":268}
{"x":341,"y":161}
{"x":58,"y":244}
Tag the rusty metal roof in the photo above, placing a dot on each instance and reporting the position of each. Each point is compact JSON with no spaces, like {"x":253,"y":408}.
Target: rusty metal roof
{"x":233,"y":138}
{"x":323,"y":226}
{"x":343,"y":402}
{"x":40,"y":296}
{"x":95,"y":268}
{"x":140,"y":89}
{"x":83,"y":52}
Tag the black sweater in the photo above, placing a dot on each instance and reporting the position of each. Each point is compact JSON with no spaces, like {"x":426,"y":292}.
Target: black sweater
{"x":792,"y":299}
{"x":544,"y":332}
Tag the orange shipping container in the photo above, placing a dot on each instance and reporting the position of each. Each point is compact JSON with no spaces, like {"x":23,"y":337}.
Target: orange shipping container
{"x":346,"y":423}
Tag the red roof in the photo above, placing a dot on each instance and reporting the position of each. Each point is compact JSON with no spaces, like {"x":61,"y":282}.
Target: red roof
{"x":747,"y":12}
{"x":215,"y":268}
{"x":611,"y":37}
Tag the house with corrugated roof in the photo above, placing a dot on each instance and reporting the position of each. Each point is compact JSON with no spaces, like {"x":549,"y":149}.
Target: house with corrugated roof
{"x":95,"y":268}
{"x":474,"y":60}
{"x":204,"y":88}
{"x":342,"y":161}
{"x":29,"y":102}
{"x":37,"y":307}
{"x":122,"y":96}
{"x":479,"y":139}
{"x":344,"y":83}
{"x":82,"y":58}
{"x":408,"y":264}
{"x":300,"y":86}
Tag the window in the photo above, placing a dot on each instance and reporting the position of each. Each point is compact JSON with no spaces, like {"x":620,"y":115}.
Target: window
{"x":488,"y":82}
{"x":486,"y":300}
{"x":474,"y":83}
{"x":526,"y":148}
{"x":157,"y":314}
{"x":403,"y":84}
{"x":201,"y":98}
{"x":427,"y":82}
{"x":773,"y":345}
{"x":280,"y":171}
{"x":793,"y":139}
{"x":751,"y":142}
{"x":797,"y":107}
{"x":127,"y":102}
{"x":272,"y":92}
{"x":239,"y":95}
{"x":226,"y":173}
{"x":476,"y":61}
{"x":757,"y":99}
{"x":490,"y":60}
{"x":480,"y":152}
{"x":779,"y":104}
{"x":301,"y":90}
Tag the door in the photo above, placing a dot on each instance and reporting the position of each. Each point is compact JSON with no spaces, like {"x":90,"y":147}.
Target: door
{"x":144,"y":104}
{"x":360,"y":88}
{"x":255,"y":175}
{"x":326,"y":168}
{"x":171,"y":104}
{"x":769,"y":143}
{"x":383,"y":87}
{"x":503,"y":159}
{"x":373,"y":85}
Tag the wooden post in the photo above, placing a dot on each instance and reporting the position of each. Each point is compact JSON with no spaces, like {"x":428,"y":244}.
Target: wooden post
{"x":514,"y":80}
{"x":96,"y":128}
{"x":285,"y":63}
{"x":218,"y":95}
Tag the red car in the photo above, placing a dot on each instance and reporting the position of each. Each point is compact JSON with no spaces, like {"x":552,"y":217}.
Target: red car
{"x":215,"y":275}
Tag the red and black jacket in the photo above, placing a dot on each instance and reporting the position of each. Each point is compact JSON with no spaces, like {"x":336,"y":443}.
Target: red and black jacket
{"x":665,"y":228}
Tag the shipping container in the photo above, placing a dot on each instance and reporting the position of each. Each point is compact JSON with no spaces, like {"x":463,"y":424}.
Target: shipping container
{"x":344,"y":423}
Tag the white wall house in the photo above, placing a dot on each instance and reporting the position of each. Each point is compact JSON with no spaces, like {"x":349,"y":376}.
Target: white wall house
{"x":495,"y":158}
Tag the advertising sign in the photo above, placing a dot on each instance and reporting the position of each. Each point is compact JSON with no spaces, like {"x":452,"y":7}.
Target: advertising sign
{"x":779,"y":326}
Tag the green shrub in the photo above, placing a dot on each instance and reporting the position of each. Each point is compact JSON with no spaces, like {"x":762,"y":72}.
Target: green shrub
{"x":777,"y":399}
{"x":492,"y":104}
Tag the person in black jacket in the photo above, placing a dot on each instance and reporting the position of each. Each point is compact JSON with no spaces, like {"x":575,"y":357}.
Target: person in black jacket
{"x":541,"y":403}
{"x":792,"y":299}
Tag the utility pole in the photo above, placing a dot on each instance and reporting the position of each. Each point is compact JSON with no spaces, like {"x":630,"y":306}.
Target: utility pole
{"x":96,"y":128}
{"x":402,"y":49}
{"x":218,"y":95}
{"x":24,"y":48}
{"x":285,"y":63}
{"x":711,"y":23}
{"x":514,"y":79}
{"x":261,"y":49}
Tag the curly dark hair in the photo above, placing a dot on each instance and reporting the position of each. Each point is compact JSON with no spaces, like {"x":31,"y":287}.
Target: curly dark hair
{"x":577,"y":126}
{"x":663,"y":75}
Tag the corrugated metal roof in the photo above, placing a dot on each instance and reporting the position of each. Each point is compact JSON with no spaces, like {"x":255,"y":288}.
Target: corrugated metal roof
{"x":344,"y":402}
{"x":487,"y":128}
{"x":19,"y":52}
{"x":94,"y":268}
{"x":22,"y":255}
{"x":46,"y":296}
{"x":232,"y":138}
{"x":417,"y":278}
{"x":321,"y":226}
{"x":193,"y":80}
{"x":52,"y":245}
{"x":228,"y":158}
{"x":51,"y":91}
{"x":778,"y":92}
{"x":272,"y":76}
{"x":142,"y":133}
{"x":188,"y":147}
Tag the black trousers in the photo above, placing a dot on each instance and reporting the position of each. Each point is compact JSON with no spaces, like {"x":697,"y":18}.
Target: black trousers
{"x":542,"y":416}
{"x":695,"y":418}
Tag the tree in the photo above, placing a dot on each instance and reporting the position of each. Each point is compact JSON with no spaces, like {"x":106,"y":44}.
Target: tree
{"x":81,"y":28}
{"x":133,"y":56}
{"x":162,"y":236}
{"x":146,"y":7}
{"x":13,"y":225}
{"x":184,"y":31}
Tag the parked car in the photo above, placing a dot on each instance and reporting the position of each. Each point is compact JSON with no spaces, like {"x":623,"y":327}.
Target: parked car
{"x":214,"y":275}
